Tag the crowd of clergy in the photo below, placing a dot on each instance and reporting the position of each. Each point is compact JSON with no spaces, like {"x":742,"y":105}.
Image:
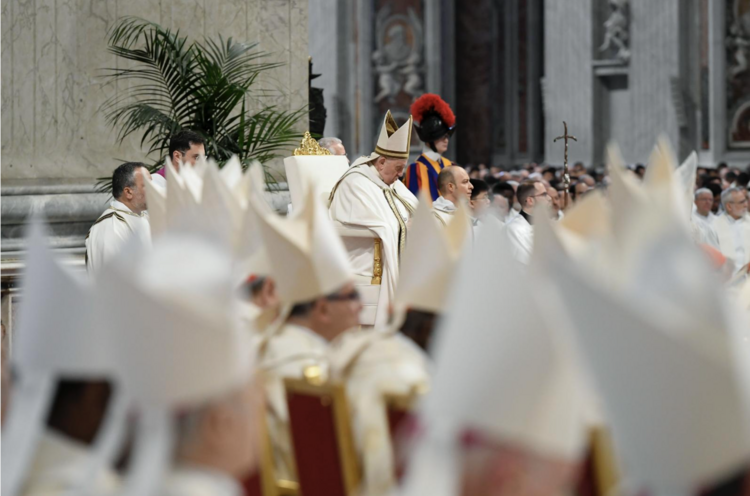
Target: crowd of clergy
{"x":405,"y":328}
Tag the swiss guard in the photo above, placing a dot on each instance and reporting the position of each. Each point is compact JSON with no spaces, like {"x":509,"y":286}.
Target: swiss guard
{"x":435,"y":123}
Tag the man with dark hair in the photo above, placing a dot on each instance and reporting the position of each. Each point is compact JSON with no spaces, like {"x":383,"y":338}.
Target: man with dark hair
{"x":480,"y":200}
{"x":125,"y":217}
{"x":185,"y":147}
{"x":640,"y":171}
{"x":506,"y":191}
{"x":454,"y":186}
{"x":520,"y":229}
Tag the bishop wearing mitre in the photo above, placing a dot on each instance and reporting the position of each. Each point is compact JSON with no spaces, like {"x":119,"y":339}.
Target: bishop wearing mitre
{"x":371,"y":196}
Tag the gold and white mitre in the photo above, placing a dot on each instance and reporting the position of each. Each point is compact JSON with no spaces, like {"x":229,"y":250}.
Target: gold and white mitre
{"x":184,"y":346}
{"x":393,"y":141}
{"x":306,"y":255}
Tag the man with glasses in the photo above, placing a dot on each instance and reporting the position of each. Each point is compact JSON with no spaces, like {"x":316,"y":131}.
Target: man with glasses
{"x":733,"y":228}
{"x":520,"y":229}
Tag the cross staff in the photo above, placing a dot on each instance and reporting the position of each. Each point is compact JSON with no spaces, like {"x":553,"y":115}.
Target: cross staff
{"x":566,"y":173}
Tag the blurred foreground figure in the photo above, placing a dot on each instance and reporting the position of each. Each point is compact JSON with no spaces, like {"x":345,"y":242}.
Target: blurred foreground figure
{"x":378,"y":364}
{"x":666,"y":347}
{"x":313,"y":278}
{"x":64,"y":375}
{"x":370,"y":196}
{"x":506,"y":411}
{"x":125,"y":217}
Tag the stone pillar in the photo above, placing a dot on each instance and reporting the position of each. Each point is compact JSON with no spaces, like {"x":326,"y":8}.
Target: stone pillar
{"x":654,"y":34}
{"x":568,"y":91}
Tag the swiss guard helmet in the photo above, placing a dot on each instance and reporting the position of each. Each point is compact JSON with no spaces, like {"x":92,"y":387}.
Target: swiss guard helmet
{"x":433,"y":117}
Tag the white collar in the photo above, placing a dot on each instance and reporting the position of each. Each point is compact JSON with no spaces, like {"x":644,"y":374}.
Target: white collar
{"x":443,"y":205}
{"x":732,"y":220}
{"x":427,"y":152}
{"x":307,"y":331}
{"x":121,"y":207}
{"x":186,"y":477}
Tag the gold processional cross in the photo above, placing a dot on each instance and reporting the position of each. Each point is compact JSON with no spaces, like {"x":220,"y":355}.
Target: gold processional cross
{"x":566,"y":172}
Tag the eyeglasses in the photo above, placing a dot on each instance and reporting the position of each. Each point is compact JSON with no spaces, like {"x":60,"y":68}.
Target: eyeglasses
{"x":541,"y":194}
{"x":353,"y":296}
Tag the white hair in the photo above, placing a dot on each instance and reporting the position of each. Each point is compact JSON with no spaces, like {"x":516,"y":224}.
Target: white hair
{"x":726,"y":195}
{"x":329,"y":142}
{"x":700,"y":191}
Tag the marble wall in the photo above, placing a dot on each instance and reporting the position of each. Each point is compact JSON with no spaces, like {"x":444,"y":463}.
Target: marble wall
{"x":53,"y":52}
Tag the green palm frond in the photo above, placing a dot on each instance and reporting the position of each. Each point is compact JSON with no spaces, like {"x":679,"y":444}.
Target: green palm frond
{"x":203,"y":86}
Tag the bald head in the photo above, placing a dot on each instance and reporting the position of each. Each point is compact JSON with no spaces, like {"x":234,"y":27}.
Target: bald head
{"x":454,"y":184}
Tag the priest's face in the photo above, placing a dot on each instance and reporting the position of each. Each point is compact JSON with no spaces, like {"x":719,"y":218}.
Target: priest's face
{"x":704,"y":202}
{"x":196,"y":152}
{"x":737,"y":205}
{"x":390,"y":169}
{"x":463,"y":183}
{"x":135,"y":198}
{"x":338,"y":312}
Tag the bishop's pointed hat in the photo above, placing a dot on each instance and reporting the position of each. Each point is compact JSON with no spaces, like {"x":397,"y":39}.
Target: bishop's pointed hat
{"x":393,"y":141}
{"x":307,"y":257}
{"x":430,"y":259}
{"x":513,"y":382}
{"x":657,"y":341}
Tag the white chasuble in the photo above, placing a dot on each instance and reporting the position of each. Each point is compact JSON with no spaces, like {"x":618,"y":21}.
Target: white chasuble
{"x":111,"y":231}
{"x":362,"y":200}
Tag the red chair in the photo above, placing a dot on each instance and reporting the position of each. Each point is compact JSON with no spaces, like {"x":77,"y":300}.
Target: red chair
{"x":264,"y":482}
{"x":322,"y":439}
{"x":400,"y":414}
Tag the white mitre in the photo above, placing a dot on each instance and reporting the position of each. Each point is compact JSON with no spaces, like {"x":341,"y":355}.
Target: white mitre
{"x":393,"y":141}
{"x":514,"y":383}
{"x":179,"y":339}
{"x":58,"y":335}
{"x":658,"y":345}
{"x":307,"y":257}
{"x":430,"y":259}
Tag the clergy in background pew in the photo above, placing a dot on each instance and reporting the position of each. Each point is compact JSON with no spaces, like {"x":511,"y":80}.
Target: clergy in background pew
{"x":455,"y":186}
{"x":125,"y":217}
{"x":370,"y":196}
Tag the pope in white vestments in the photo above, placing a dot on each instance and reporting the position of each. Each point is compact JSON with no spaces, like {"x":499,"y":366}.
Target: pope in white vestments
{"x":125,"y":217}
{"x":369,"y":195}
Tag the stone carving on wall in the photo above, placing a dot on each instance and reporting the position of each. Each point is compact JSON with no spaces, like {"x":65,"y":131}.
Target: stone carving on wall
{"x":398,"y":59}
{"x":617,"y":31}
{"x":737,"y":60}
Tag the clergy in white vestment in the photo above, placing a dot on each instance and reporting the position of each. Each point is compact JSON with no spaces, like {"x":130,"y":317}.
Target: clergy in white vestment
{"x":504,"y":413}
{"x":370,"y":196}
{"x":733,"y":228}
{"x":125,"y":217}
{"x":314,"y":280}
{"x":520,"y":229}
{"x":454,"y":185}
{"x":702,"y":218}
{"x":49,"y":431}
{"x":377,"y":362}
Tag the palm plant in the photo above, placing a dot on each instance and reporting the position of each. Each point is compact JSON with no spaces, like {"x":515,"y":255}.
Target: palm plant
{"x":202,"y":86}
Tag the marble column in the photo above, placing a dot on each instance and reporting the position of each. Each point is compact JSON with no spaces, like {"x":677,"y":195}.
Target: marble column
{"x":568,"y":91}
